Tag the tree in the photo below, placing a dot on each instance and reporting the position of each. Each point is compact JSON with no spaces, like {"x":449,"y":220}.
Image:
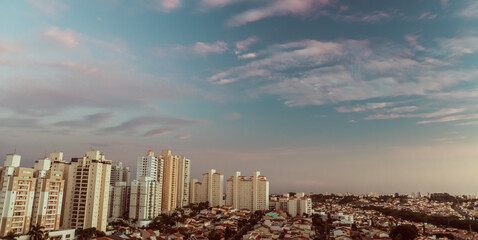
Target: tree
{"x":37,"y":233}
{"x":214,"y":235}
{"x":11,"y":236}
{"x":404,"y":232}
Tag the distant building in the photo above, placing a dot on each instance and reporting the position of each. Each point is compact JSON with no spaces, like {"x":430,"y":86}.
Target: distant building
{"x":119,"y":191}
{"x":210,"y":190}
{"x":252,"y":193}
{"x":298,"y":205}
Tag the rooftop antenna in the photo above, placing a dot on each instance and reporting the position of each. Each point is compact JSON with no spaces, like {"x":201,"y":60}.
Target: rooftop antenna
{"x":15,"y":149}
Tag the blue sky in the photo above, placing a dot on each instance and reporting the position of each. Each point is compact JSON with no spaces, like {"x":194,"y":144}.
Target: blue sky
{"x":319,"y":95}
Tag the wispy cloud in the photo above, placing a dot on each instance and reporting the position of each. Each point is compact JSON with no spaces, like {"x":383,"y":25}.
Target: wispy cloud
{"x":459,"y":46}
{"x":470,"y":11}
{"x":368,"y":106}
{"x":427,"y":15}
{"x":412,"y":40}
{"x":163,"y":5}
{"x":396,"y":114}
{"x":278,"y":8}
{"x":244,"y":44}
{"x":311,"y":72}
{"x":66,"y":37}
{"x":451,"y":118}
{"x":158,"y":132}
{"x":182,"y":137}
{"x":233,"y":116}
{"x":166,"y":122}
{"x":51,"y":8}
{"x":377,"y":16}
{"x":9,"y":47}
{"x":87,"y":121}
{"x":204,"y":49}
{"x":247,"y":56}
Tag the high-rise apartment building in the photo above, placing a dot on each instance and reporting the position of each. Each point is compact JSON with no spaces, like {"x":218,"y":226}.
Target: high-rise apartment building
{"x":146,"y":190}
{"x":184,"y":166}
{"x":148,"y":166}
{"x":58,"y":164}
{"x":252,"y":193}
{"x":119,"y":200}
{"x":120,"y":173}
{"x":48,"y":201}
{"x":87,"y":194}
{"x":17,"y":192}
{"x":145,"y":203}
{"x":211,"y":189}
{"x":119,"y":191}
{"x":170,"y":181}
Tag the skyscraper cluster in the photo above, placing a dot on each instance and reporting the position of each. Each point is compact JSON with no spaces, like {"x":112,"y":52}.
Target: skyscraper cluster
{"x":89,"y":190}
{"x":161,"y":185}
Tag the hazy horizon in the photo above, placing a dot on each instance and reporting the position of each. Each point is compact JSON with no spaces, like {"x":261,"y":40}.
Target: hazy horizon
{"x":319,"y":95}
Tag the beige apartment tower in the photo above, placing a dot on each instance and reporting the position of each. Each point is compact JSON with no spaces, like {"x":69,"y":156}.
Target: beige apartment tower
{"x":87,"y":193}
{"x":170,"y":181}
{"x":17,"y":192}
{"x":211,"y":189}
{"x":146,"y":190}
{"x":184,"y":166}
{"x":59,"y":164}
{"x":48,"y":201}
{"x":252,"y":193}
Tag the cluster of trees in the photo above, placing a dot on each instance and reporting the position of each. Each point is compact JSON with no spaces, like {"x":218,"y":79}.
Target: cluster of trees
{"x":451,"y":221}
{"x":404,"y":232}
{"x":36,"y":233}
{"x":166,"y":223}
{"x":89,"y":233}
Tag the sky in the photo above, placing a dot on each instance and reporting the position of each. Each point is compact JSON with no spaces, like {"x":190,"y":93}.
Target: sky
{"x":319,"y":95}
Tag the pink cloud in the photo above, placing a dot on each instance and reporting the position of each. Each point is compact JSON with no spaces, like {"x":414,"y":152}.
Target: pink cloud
{"x":233,"y":116}
{"x":343,"y":8}
{"x":412,"y":40}
{"x":67,"y":37}
{"x":9,"y":47}
{"x":427,"y":15}
{"x":204,"y":49}
{"x":182,"y":137}
{"x":157,"y":132}
{"x":247,"y":56}
{"x":368,"y":17}
{"x":278,"y":8}
{"x":244,"y":44}
{"x":51,"y":8}
{"x":164,"y":5}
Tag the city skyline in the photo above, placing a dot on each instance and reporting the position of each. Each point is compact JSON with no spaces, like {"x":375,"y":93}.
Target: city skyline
{"x":319,"y":95}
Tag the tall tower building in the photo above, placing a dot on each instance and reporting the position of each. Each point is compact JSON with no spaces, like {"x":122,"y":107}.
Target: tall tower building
{"x":211,"y":189}
{"x":48,"y":201}
{"x":17,"y":192}
{"x":146,"y":190}
{"x":184,"y":166}
{"x":58,"y":164}
{"x":148,"y":166}
{"x":170,"y":181}
{"x":120,"y":173}
{"x":252,"y":193}
{"x":119,"y":203}
{"x":87,"y":194}
{"x":119,"y":191}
